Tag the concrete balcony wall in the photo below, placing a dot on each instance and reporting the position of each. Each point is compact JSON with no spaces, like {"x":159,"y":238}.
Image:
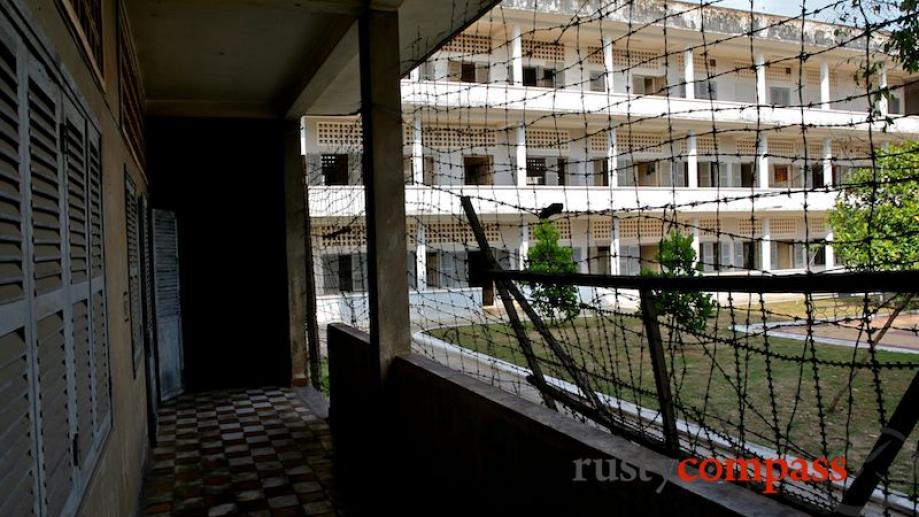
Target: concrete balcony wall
{"x":449,"y":444}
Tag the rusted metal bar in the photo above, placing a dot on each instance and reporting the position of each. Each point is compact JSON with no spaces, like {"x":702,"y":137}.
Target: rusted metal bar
{"x":661,"y":377}
{"x":502,"y":286}
{"x":883,"y":453}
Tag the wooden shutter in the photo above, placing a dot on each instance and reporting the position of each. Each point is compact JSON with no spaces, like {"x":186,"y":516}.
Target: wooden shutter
{"x":98,"y":310}
{"x":167,"y":303}
{"x":134,"y":289}
{"x":76,"y":163}
{"x":17,"y":420}
{"x":53,"y":362}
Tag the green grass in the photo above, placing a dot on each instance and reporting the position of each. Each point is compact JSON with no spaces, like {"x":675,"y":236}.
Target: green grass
{"x":725,"y":386}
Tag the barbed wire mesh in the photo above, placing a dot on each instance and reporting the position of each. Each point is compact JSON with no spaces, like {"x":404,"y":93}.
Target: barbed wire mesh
{"x":623,"y":124}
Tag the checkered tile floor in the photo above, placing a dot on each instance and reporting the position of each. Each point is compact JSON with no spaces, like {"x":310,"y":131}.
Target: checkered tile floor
{"x":254,"y":452}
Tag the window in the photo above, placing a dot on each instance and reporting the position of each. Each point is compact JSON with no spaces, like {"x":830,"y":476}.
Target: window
{"x":707,"y":173}
{"x":428,"y":170}
{"x":706,"y":89}
{"x":708,"y":258}
{"x":530,"y":75}
{"x":780,"y":176}
{"x":543,"y":77}
{"x":428,"y":72}
{"x":840,"y":175}
{"x":561,"y":167}
{"x":598,"y":260}
{"x":629,"y":260}
{"x":335,"y":169}
{"x":893,"y":104}
{"x":597,"y":81}
{"x":432,"y":268}
{"x":747,"y":175}
{"x":600,"y":172}
{"x":467,"y":72}
{"x":779,"y":95}
{"x":647,"y":174}
{"x":477,"y":170}
{"x":536,"y":171}
{"x":647,"y":85}
{"x":343,"y":273}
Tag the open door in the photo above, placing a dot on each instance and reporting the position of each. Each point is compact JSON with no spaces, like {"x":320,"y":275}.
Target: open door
{"x":170,"y":356}
{"x":149,"y":320}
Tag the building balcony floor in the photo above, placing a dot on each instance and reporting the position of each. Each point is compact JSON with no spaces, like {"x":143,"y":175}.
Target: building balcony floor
{"x":253,"y":452}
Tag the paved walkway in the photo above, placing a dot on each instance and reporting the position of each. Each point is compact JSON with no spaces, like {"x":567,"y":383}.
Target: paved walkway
{"x":254,"y":452}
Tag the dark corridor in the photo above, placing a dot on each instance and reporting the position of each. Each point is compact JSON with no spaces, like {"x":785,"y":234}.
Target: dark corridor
{"x":224,"y":180}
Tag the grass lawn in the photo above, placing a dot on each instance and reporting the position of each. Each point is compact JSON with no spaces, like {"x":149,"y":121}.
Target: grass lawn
{"x":769,"y":388}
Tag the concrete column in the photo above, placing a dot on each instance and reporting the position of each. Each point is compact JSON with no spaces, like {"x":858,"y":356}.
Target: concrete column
{"x":762,"y":161}
{"x":417,"y":152}
{"x":692,"y":160}
{"x":524,"y":248}
{"x":696,"y":241}
{"x":689,"y":74}
{"x":297,"y":275}
{"x":827,"y":162}
{"x":608,"y":62}
{"x":765,"y":247}
{"x":520,"y":149}
{"x":824,"y":85}
{"x":760,"y":62}
{"x":415,"y":74}
{"x":882,"y":85}
{"x":828,"y":251}
{"x":516,"y":56}
{"x":612,"y":158}
{"x":614,"y":249}
{"x":384,"y":189}
{"x":421,"y":258}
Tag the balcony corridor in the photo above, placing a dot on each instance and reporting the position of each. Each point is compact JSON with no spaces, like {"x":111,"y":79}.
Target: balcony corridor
{"x":252,"y":452}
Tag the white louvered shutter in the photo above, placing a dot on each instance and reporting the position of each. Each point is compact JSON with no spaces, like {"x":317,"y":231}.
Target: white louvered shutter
{"x":167,"y":303}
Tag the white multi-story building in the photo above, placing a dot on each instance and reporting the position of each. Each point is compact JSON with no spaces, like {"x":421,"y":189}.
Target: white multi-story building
{"x":638,"y":121}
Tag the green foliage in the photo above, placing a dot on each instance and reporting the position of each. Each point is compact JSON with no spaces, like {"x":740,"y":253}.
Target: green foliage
{"x":876,"y":218}
{"x":690,"y":310}
{"x":547,"y":256}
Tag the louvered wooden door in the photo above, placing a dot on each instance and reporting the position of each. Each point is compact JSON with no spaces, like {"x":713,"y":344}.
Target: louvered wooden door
{"x":55,"y":410}
{"x":167,"y":303}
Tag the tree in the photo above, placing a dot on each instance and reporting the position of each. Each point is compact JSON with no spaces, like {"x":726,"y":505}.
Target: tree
{"x":876,"y":215}
{"x":676,"y":258}
{"x":553,"y":301}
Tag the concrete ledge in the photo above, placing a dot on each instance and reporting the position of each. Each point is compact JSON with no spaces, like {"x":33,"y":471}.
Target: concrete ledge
{"x":458,"y":446}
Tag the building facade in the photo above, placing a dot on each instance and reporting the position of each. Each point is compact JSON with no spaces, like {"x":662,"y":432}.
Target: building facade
{"x":638,"y":121}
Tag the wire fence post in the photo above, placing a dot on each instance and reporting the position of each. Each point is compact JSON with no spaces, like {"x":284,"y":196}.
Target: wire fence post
{"x":661,"y":378}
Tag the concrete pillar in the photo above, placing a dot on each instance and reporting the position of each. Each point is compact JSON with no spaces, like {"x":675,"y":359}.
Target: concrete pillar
{"x":384,"y":185}
{"x":762,"y":161}
{"x":417,"y":152}
{"x":415,"y":74}
{"x":612,"y":158}
{"x":696,"y":241}
{"x":827,"y":157}
{"x":421,"y":258}
{"x":760,"y":62}
{"x":614,"y":249}
{"x":882,"y":86}
{"x":824,"y":85}
{"x":516,"y":56}
{"x":524,"y":248}
{"x":692,"y":160}
{"x":828,"y":251}
{"x":689,"y":75}
{"x":765,"y":247}
{"x":295,"y":230}
{"x":608,"y":62}
{"x":520,"y":149}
